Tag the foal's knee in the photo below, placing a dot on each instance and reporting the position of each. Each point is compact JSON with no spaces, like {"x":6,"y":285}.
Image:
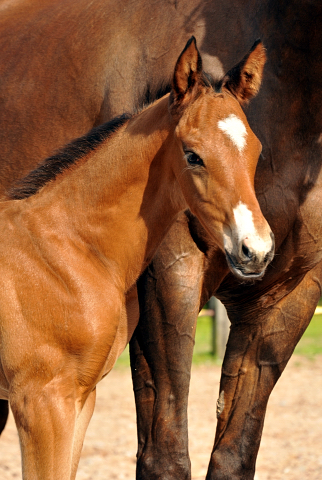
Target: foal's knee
{"x":45,"y":417}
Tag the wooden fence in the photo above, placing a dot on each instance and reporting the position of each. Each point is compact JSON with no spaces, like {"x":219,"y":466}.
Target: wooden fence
{"x":220,"y":326}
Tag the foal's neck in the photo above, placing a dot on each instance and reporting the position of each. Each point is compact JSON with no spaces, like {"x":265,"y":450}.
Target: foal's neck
{"x":124,"y":196}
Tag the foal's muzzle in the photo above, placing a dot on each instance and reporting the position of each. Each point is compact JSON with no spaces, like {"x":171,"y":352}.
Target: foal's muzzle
{"x":247,"y":264}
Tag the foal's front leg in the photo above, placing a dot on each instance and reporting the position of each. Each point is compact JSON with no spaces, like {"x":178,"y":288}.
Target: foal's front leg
{"x":45,"y":416}
{"x":52,"y":389}
{"x":82,"y":422}
{"x":57,"y":457}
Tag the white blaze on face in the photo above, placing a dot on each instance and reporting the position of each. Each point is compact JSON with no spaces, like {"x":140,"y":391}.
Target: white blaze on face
{"x":246,"y":230}
{"x":235,"y":129}
{"x":244,"y":221}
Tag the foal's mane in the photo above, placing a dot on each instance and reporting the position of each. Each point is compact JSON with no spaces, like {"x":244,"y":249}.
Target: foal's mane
{"x":151,"y":94}
{"x":64,"y":158}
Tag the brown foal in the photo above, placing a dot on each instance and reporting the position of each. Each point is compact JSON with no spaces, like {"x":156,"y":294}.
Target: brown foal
{"x":78,"y":231}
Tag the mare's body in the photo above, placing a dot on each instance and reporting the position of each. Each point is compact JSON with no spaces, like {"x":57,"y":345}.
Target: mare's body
{"x":66,"y":66}
{"x":267,"y":318}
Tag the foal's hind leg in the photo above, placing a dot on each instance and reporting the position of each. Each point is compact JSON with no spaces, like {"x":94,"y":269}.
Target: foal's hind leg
{"x":257,"y":352}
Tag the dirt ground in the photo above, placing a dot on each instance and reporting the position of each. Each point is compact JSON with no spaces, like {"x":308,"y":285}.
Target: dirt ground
{"x":291,"y":447}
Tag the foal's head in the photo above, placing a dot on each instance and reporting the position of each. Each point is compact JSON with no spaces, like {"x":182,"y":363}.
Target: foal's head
{"x":219,"y":154}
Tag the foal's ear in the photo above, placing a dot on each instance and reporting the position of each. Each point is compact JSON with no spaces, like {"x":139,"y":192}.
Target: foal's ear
{"x":245,"y":78}
{"x":187,"y":75}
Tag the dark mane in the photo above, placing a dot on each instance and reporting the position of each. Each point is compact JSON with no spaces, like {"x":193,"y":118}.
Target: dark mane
{"x":151,"y":94}
{"x":64,"y":158}
{"x":210,"y":81}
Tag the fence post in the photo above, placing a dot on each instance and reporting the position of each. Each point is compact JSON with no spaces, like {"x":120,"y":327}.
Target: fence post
{"x":220,"y":327}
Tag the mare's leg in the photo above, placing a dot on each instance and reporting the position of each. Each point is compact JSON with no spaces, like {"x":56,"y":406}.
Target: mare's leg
{"x":161,"y":353}
{"x":259,"y":347}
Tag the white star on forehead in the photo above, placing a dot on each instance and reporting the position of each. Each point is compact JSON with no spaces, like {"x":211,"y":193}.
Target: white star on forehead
{"x":235,"y":129}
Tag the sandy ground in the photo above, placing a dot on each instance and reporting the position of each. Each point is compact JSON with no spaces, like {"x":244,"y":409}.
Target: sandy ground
{"x":291,"y":447}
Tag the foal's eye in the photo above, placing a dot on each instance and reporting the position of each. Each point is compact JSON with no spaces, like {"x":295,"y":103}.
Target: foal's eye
{"x":193,"y":159}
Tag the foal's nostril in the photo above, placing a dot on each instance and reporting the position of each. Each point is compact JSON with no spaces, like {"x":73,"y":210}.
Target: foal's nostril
{"x":246,"y":252}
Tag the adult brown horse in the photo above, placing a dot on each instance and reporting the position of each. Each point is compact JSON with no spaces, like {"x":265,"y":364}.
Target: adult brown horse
{"x":267,"y":318}
{"x":87,"y":222}
{"x":66,"y":65}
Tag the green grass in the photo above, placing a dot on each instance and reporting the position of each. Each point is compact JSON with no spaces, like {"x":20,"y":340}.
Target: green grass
{"x":311,"y":342}
{"x":203,"y":348}
{"x":124,"y":359}
{"x":309,"y":345}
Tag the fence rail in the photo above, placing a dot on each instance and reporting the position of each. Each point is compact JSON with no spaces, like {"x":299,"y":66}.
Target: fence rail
{"x":220,"y":326}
